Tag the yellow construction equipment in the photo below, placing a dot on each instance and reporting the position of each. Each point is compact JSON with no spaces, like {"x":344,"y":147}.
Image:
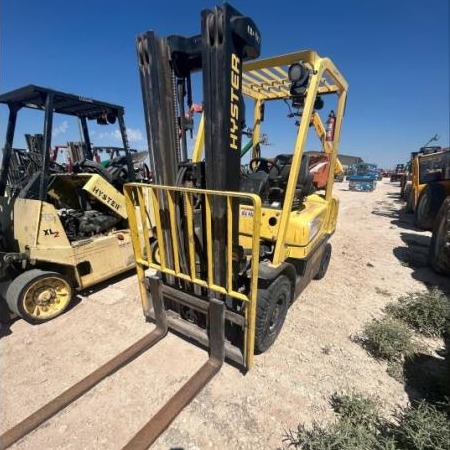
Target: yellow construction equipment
{"x":63,"y":227}
{"x":430,"y":184}
{"x":254,"y":240}
{"x":230,"y":250}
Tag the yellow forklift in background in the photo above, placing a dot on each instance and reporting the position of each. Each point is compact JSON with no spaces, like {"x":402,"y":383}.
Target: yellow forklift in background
{"x":63,"y":226}
{"x":430,"y":184}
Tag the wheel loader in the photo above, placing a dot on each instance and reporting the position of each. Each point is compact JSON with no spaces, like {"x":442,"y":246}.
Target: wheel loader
{"x":63,"y":225}
{"x":222,"y":253}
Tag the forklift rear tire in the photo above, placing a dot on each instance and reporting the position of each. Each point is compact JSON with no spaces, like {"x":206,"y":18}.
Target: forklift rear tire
{"x":428,"y":205}
{"x":272,"y":307}
{"x":439,"y":253}
{"x":38,"y":296}
{"x":324,"y":263}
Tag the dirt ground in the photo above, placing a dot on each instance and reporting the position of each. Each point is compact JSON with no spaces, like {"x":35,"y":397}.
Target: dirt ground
{"x":377,"y":256}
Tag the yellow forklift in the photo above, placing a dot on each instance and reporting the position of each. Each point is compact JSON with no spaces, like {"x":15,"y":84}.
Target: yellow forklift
{"x":250,"y":242}
{"x":63,"y":225}
{"x":430,"y":184}
{"x":230,"y":248}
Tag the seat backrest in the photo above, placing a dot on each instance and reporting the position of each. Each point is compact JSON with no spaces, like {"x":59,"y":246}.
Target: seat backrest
{"x":284,"y":163}
{"x":304,"y":177}
{"x":255,"y":183}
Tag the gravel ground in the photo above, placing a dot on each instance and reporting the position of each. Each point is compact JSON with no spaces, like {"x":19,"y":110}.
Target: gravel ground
{"x":377,"y":256}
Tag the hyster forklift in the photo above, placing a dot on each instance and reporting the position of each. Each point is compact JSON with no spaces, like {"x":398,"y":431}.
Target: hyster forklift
{"x":63,"y":226}
{"x":230,"y":248}
{"x":247,"y":243}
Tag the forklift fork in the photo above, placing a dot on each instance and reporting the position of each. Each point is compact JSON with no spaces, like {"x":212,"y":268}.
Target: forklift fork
{"x":152,"y":430}
{"x":164,"y":417}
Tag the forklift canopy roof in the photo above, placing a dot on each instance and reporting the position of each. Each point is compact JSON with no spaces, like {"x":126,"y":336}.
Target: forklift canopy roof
{"x":32,"y":96}
{"x":267,"y":79}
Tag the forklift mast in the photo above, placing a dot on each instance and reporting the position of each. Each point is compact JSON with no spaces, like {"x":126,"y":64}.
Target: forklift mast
{"x":227,"y":39}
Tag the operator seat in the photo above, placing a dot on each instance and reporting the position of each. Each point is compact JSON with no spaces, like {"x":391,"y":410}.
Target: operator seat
{"x":271,"y":186}
{"x":305,"y":185}
{"x":255,"y":183}
{"x":267,"y":178}
{"x":117,"y":169}
{"x":279,"y":180}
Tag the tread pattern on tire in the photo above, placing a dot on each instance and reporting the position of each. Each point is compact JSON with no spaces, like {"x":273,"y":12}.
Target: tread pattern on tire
{"x":439,"y":258}
{"x":324,"y":263}
{"x":265,"y":305}
{"x":436,"y":195}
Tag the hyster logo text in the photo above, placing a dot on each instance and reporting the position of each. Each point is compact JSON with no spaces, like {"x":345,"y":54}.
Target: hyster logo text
{"x":106,"y":198}
{"x":234,"y":104}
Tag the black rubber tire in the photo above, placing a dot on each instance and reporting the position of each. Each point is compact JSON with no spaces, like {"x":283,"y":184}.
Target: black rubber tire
{"x":428,"y":205}
{"x":439,"y":251}
{"x":272,"y":306}
{"x":18,"y":288}
{"x":408,"y":206}
{"x":407,"y":196}
{"x":324,"y":263}
{"x":406,"y":191}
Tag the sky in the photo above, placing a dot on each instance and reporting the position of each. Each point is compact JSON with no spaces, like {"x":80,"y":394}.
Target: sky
{"x":393,"y":53}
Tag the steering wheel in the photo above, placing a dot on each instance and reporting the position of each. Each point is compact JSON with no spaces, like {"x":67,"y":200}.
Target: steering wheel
{"x":254,"y":168}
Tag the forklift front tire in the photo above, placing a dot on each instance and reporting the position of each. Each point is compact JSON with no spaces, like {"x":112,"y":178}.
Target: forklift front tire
{"x":38,"y":296}
{"x":272,"y":307}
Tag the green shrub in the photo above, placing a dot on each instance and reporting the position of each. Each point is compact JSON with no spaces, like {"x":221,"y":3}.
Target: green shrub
{"x":388,"y":339}
{"x":341,"y":435}
{"x":423,"y":427}
{"x":356,"y":409}
{"x":359,"y":426}
{"x":425,"y":312}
